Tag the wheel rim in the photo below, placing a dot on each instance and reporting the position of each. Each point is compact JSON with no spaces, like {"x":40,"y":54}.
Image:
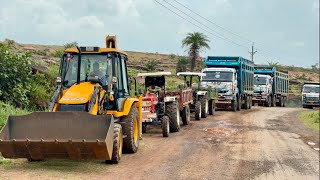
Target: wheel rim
{"x":135,"y":130}
{"x":120,"y":144}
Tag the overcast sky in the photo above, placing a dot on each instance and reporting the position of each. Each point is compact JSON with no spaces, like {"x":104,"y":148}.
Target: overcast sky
{"x":284,"y":31}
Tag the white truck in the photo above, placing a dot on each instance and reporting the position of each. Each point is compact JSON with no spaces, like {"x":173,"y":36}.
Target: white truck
{"x":311,"y":95}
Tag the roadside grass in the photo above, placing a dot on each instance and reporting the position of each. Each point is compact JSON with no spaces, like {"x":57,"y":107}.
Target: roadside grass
{"x":311,"y":119}
{"x":6,"y":110}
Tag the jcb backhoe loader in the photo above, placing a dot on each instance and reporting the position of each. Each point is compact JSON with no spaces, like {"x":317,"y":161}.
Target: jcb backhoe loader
{"x":92,"y":115}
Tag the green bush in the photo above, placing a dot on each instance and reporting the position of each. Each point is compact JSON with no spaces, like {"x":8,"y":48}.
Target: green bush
{"x":182,"y":64}
{"x":15,"y":73}
{"x":151,"y":65}
{"x":6,"y":110}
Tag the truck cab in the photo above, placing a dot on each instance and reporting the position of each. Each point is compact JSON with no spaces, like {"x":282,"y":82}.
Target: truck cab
{"x":262,"y":87}
{"x":224,"y":80}
{"x":310,"y":95}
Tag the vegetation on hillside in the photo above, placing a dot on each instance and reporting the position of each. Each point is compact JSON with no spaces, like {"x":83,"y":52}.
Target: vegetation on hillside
{"x":6,"y":110}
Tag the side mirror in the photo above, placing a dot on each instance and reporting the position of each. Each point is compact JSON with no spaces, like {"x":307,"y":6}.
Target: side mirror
{"x":114,"y":80}
{"x":58,"y":80}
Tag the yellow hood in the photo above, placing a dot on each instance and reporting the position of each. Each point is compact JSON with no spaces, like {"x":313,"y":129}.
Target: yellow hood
{"x":77,"y":93}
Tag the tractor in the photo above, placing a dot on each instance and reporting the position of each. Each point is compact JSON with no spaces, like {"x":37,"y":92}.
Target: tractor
{"x":91,"y":116}
{"x":203,"y":99}
{"x":159,"y":108}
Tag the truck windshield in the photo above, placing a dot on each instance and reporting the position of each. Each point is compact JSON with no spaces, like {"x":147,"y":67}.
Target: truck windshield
{"x":260,"y":81}
{"x":218,"y":76}
{"x":311,"y":89}
{"x":91,"y":65}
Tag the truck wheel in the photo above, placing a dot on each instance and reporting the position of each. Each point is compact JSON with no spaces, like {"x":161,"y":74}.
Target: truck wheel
{"x":246,"y":103}
{"x":117,"y":145}
{"x":174,"y":116}
{"x":144,"y":128}
{"x":273,"y":101}
{"x":234,"y":104}
{"x":165,"y":126}
{"x":268,"y":101}
{"x":130,"y":130}
{"x":204,"y":107}
{"x":197,"y":111}
{"x":250,"y":102}
{"x":186,"y":115}
{"x":281,"y":102}
{"x":238,"y":104}
{"x":211,"y":107}
{"x":284,"y":103}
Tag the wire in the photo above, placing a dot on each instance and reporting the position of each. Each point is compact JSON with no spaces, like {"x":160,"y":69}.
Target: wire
{"x":240,"y":45}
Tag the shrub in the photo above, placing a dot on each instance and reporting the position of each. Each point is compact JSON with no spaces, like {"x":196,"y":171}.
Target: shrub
{"x":151,"y":65}
{"x":182,"y":64}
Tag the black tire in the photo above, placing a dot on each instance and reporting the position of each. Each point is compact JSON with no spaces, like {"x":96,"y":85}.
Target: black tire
{"x":172,"y":110}
{"x":165,"y":126}
{"x":238,"y":104}
{"x":268,"y":101}
{"x":281,"y":102}
{"x":144,"y":128}
{"x":250,"y":102}
{"x":204,"y":107}
{"x":117,"y":145}
{"x":130,"y":122}
{"x":234,"y":105}
{"x":212,"y":107}
{"x":273,"y":101}
{"x":284,"y":103}
{"x":34,"y":160}
{"x":246,"y":103}
{"x":197,"y":110}
{"x":186,"y":115}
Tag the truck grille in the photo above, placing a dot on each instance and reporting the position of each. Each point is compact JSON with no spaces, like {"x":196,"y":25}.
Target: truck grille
{"x":312,"y":98}
{"x":73,"y":107}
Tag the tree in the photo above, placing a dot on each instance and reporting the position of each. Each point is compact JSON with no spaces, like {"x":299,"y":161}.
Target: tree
{"x":182,"y":64}
{"x":194,"y":42}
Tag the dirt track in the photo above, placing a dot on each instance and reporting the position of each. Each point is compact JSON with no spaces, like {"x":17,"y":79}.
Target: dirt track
{"x":261,"y":143}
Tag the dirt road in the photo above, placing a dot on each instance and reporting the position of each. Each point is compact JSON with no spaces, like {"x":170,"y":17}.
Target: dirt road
{"x":261,"y":143}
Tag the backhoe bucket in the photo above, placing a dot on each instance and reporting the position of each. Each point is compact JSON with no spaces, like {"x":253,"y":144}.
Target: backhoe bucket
{"x":58,"y":135}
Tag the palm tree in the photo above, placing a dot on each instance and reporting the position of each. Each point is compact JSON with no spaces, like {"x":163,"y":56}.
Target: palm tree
{"x":194,"y":42}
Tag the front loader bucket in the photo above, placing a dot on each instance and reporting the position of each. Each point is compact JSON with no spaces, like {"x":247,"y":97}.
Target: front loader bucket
{"x":58,"y":135}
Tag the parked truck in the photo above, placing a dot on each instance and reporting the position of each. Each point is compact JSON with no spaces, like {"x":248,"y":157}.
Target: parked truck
{"x":232,"y":78}
{"x":311,"y":95}
{"x":270,"y":86}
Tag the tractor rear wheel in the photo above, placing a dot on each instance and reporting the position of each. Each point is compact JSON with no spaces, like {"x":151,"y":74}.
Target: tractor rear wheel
{"x":204,"y":107}
{"x":165,"y":126}
{"x":173,"y":112}
{"x":130,"y":129}
{"x":117,"y":145}
{"x":186,"y":115}
{"x":197,"y":111}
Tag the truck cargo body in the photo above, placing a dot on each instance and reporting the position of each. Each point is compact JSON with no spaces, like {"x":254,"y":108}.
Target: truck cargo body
{"x":311,"y":95}
{"x":270,"y":86}
{"x":232,"y":78}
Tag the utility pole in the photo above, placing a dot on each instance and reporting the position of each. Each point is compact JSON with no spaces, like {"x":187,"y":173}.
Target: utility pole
{"x":252,"y":52}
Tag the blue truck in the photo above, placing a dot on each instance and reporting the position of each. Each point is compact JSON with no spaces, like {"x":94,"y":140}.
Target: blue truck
{"x":232,"y":78}
{"x":270,"y":86}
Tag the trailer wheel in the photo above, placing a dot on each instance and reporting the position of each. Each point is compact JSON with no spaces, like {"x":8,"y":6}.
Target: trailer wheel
{"x":165,"y":126}
{"x":174,"y":116}
{"x":238,"y":103}
{"x":204,"y":107}
{"x":130,"y":129}
{"x":117,"y":145}
{"x":281,"y":101}
{"x":144,"y":128}
{"x":246,"y":102}
{"x":234,"y":105}
{"x":186,"y":115}
{"x":211,"y":107}
{"x":197,"y":111}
